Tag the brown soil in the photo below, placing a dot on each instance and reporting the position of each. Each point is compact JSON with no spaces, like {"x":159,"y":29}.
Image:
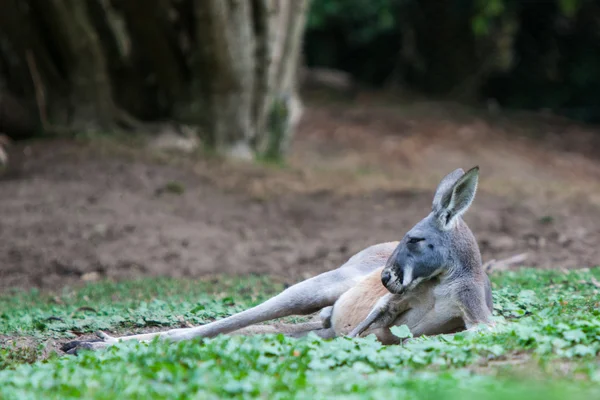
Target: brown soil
{"x":358,"y":175}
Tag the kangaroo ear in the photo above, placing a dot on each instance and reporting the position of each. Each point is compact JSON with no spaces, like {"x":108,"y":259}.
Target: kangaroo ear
{"x":444,"y":187}
{"x":457,"y":199}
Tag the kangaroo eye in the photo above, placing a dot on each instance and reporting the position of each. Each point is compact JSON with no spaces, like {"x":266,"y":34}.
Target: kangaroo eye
{"x":414,"y":240}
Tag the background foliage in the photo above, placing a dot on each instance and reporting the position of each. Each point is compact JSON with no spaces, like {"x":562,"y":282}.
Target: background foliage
{"x":525,"y":54}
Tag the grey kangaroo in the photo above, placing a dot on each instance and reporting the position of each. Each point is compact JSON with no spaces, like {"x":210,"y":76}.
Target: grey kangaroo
{"x":432,"y":281}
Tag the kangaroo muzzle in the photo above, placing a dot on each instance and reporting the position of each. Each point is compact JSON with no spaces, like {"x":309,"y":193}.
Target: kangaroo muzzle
{"x":386,"y":276}
{"x":393,"y":279}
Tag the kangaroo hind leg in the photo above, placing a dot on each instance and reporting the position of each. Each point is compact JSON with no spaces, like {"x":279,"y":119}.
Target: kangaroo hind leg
{"x":303,"y":298}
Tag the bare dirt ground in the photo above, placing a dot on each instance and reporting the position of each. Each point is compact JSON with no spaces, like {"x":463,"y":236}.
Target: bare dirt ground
{"x":359,"y":174}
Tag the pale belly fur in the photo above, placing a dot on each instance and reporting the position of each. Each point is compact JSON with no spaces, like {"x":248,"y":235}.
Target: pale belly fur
{"x":428,"y":303}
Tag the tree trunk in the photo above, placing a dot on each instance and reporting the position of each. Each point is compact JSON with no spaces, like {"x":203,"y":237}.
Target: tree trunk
{"x":90,"y":95}
{"x":247,"y":67}
{"x":228,"y":66}
{"x":155,"y":50}
{"x":58,"y":62}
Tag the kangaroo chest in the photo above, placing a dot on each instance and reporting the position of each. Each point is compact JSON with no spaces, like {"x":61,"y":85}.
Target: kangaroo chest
{"x":427,"y":309}
{"x":431,"y":310}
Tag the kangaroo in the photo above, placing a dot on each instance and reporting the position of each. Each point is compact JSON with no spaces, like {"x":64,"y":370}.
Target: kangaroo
{"x":435,"y":278}
{"x":432,"y":281}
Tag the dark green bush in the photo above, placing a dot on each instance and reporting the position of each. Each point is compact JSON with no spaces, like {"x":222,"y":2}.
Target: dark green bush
{"x":527,"y":54}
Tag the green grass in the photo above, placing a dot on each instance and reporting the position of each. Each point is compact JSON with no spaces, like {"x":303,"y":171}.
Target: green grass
{"x":545,"y":346}
{"x":129,"y":305}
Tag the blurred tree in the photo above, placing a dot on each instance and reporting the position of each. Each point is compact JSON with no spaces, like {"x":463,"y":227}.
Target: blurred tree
{"x":557,"y":47}
{"x":227,"y":67}
{"x":524,"y":53}
{"x":428,"y":44}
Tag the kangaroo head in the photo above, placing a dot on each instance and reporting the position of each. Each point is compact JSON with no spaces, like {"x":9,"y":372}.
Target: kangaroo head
{"x":441,"y":243}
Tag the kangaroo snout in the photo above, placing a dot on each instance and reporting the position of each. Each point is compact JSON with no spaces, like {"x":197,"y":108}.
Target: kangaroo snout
{"x":385,"y":277}
{"x":391,"y":278}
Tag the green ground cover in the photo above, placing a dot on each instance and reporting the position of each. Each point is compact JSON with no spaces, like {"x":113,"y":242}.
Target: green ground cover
{"x":545,"y":346}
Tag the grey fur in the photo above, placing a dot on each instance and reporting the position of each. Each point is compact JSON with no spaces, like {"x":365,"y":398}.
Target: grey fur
{"x":440,"y":248}
{"x":437,"y":284}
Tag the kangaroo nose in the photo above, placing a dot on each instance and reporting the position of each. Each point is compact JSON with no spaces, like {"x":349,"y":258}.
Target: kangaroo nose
{"x":385,"y":277}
